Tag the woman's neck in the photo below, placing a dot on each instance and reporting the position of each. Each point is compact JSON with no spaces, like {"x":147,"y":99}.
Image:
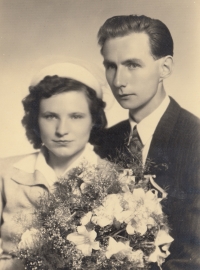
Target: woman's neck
{"x":61,"y":164}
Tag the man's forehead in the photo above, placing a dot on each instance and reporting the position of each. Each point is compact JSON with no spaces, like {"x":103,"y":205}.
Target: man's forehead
{"x":133,"y":45}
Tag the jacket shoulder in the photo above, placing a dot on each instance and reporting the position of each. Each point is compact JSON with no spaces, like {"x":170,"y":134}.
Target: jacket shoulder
{"x":121,"y":126}
{"x":190,"y":125}
{"x":182,"y":114}
{"x":190,"y":118}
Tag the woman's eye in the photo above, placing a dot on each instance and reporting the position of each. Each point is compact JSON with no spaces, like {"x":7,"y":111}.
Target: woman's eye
{"x":50,"y":117}
{"x":77,"y":116}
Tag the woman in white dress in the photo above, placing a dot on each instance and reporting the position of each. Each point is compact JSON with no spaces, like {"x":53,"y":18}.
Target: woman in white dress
{"x":64,"y":112}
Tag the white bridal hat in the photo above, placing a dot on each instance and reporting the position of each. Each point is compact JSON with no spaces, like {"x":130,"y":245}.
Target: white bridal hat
{"x":72,"y":71}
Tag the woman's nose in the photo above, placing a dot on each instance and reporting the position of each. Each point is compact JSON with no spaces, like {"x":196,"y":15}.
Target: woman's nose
{"x":62,"y":128}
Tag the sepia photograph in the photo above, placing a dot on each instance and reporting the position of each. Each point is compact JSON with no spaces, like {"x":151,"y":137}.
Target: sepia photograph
{"x":100,"y":135}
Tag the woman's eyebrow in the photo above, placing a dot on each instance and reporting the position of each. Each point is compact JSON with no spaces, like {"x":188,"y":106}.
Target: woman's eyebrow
{"x":48,"y":112}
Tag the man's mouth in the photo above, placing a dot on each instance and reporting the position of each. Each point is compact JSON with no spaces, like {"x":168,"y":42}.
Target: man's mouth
{"x":125,"y":95}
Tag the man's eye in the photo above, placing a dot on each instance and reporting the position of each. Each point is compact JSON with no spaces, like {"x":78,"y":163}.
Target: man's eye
{"x":110,"y":66}
{"x":132,"y":65}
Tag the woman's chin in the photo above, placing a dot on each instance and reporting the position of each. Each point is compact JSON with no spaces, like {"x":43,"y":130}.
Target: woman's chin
{"x":65,"y":153}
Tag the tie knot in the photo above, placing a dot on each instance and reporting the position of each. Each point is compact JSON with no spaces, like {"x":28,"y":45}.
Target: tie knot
{"x":135,"y":132}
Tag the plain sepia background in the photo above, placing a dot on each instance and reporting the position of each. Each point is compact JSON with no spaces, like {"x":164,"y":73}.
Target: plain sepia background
{"x":36,"y":33}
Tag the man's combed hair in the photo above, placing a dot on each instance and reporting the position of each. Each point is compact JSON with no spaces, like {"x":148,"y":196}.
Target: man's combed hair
{"x":53,"y":85}
{"x":160,"y":39}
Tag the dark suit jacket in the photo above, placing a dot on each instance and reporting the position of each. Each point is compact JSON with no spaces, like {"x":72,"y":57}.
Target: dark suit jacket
{"x":176,"y":142}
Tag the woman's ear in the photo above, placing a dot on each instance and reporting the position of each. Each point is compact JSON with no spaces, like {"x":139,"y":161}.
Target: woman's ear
{"x":166,"y":66}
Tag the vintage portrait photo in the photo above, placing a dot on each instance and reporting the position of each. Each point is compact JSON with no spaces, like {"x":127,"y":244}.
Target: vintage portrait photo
{"x":100,"y":135}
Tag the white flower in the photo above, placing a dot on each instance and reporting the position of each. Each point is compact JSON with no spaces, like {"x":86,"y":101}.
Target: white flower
{"x":162,"y":239}
{"x":121,"y":250}
{"x":117,"y":247}
{"x":86,"y":219}
{"x":105,"y":214}
{"x":29,"y":238}
{"x":137,"y":257}
{"x":135,"y":199}
{"x":137,"y":227}
{"x":84,"y":240}
{"x":152,"y":202}
{"x":140,"y":206}
{"x":124,"y":216}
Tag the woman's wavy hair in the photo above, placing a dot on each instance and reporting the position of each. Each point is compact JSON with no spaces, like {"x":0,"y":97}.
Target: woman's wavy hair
{"x":53,"y":85}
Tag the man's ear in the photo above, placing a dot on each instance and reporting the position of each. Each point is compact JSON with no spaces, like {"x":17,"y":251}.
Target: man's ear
{"x":166,"y":66}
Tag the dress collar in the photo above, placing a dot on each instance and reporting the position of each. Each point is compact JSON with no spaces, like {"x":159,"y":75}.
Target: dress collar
{"x":34,"y":170}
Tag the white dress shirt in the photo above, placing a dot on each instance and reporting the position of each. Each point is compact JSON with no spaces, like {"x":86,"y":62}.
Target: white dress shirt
{"x":147,"y":126}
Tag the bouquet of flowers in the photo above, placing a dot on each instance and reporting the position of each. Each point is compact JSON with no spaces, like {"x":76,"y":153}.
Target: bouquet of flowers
{"x":98,"y":217}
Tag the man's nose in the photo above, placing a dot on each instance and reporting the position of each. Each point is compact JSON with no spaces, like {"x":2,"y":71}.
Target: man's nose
{"x":62,"y":127}
{"x":119,"y":78}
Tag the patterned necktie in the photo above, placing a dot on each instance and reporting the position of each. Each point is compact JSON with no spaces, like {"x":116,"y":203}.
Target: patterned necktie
{"x":135,"y":144}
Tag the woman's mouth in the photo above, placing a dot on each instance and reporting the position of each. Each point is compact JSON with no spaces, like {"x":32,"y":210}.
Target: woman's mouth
{"x":62,"y":142}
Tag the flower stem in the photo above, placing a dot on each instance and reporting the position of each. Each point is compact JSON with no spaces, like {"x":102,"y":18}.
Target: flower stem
{"x":118,"y":232}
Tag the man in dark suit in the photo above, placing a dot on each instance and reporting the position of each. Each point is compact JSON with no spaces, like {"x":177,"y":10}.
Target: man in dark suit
{"x":138,"y":56}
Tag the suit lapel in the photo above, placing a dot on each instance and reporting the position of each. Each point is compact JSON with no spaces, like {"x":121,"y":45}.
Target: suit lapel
{"x":163,"y":133}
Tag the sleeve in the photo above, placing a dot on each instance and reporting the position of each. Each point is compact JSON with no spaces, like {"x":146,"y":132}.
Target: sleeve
{"x":6,"y":261}
{"x":187,"y":255}
{"x":188,"y":240}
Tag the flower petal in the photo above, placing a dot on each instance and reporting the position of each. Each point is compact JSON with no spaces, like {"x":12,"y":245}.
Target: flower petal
{"x":92,"y":235}
{"x":76,"y":238}
{"x":139,"y":193}
{"x":141,"y":228}
{"x":95,"y":245}
{"x":85,"y":248}
{"x":102,"y":221}
{"x":82,"y":230}
{"x":124,"y":216}
{"x":163,"y":238}
{"x":130,"y":230}
{"x":86,"y":219}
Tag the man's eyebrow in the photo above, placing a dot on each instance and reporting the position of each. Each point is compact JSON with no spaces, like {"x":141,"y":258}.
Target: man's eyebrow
{"x":132,"y":60}
{"x":125,"y":62}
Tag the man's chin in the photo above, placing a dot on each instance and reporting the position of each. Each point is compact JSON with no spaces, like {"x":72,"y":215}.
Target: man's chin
{"x":127,"y":105}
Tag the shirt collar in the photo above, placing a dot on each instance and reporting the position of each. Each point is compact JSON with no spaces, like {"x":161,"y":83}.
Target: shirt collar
{"x":34,"y":163}
{"x":148,"y":125}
